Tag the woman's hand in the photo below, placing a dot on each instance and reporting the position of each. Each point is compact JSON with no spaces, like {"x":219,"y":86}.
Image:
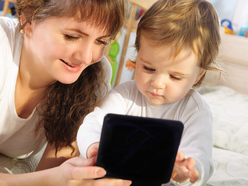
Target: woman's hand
{"x":184,"y":169}
{"x":73,"y":172}
{"x":78,"y":171}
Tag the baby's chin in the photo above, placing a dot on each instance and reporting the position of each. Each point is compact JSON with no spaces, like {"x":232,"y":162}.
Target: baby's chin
{"x":160,"y":101}
{"x":157,"y":102}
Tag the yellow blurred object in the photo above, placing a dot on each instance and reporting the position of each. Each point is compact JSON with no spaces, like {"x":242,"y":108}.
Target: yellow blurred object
{"x":9,"y":11}
{"x":6,"y":6}
{"x":228,"y":31}
{"x":227,"y":24}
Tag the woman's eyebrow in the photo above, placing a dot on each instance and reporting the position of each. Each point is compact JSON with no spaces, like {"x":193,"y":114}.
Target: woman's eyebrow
{"x":83,"y":33}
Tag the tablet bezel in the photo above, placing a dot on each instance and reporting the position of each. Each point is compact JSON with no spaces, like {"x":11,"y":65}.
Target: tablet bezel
{"x":116,"y":129}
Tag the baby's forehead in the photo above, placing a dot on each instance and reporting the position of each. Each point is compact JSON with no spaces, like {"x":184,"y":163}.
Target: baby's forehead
{"x":151,"y":51}
{"x":174,"y":47}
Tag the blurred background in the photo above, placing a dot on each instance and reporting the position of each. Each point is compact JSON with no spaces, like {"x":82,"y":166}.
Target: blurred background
{"x":233,"y":16}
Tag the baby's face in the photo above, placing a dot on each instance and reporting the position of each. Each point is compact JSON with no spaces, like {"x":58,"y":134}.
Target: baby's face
{"x":163,"y":78}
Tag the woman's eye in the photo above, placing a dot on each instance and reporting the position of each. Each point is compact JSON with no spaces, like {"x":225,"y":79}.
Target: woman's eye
{"x":70,"y":38}
{"x":149,"y":69}
{"x":102,"y":42}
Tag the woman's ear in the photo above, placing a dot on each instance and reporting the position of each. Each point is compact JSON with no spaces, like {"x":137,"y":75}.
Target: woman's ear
{"x":25,"y":24}
{"x":199,"y":77}
{"x":22,"y":19}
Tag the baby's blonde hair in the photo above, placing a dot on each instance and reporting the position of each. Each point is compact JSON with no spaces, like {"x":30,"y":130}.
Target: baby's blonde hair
{"x":181,"y":23}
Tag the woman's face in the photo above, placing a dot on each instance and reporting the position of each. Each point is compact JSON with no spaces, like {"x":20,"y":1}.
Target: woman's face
{"x":61,"y":48}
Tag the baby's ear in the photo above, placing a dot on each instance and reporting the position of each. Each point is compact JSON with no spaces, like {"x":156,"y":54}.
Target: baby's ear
{"x":201,"y":74}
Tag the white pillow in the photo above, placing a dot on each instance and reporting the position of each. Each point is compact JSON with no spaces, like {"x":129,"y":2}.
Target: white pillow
{"x":230,"y":118}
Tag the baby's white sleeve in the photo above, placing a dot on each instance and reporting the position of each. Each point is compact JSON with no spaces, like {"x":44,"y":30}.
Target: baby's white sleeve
{"x":89,"y":132}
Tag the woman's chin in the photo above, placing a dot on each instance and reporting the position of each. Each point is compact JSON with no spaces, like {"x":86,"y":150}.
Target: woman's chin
{"x":67,"y":81}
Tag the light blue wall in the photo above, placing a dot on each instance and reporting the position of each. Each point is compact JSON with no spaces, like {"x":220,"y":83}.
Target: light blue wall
{"x":234,"y":10}
{"x":225,"y":8}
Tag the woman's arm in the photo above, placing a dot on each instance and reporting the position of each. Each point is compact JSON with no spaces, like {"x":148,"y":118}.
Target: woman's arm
{"x":75,"y":171}
{"x":50,"y":159}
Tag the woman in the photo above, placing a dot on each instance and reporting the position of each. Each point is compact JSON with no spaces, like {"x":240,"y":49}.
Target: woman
{"x":50,"y":78}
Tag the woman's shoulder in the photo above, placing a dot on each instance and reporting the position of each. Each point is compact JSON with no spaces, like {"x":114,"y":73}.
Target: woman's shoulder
{"x":108,"y":71}
{"x":7,"y":35}
{"x":106,"y":64}
{"x":8,"y":26}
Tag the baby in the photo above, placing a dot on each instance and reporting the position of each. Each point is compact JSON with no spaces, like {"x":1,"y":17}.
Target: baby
{"x":177,"y":42}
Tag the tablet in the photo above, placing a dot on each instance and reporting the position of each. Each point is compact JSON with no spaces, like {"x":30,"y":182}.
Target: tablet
{"x":140,"y":149}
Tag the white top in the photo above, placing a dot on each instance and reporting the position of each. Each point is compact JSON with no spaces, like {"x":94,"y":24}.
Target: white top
{"x":17,"y":136}
{"x":192,"y":110}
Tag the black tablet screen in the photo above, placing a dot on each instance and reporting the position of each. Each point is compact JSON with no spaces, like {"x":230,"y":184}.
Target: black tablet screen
{"x":138,"y":148}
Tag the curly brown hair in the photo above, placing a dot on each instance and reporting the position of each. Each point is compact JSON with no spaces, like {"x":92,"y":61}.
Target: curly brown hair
{"x":65,"y":105}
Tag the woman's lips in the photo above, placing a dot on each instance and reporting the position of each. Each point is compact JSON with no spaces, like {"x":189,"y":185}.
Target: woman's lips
{"x":68,"y":63}
{"x":71,"y":67}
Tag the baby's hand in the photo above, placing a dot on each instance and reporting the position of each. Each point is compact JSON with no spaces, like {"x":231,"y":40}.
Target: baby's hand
{"x":184,"y":169}
{"x":92,"y":150}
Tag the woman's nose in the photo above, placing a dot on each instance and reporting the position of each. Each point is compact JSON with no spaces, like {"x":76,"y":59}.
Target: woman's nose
{"x":84,"y":54}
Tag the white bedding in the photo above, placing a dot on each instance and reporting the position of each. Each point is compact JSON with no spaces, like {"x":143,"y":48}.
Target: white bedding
{"x":231,"y":168}
{"x":15,"y":166}
{"x":18,"y":166}
{"x":230,"y":135}
{"x":230,"y":132}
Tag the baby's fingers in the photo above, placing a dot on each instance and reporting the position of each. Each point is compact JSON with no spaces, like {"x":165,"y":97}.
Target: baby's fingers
{"x":180,"y":156}
{"x":93,"y":150}
{"x":190,"y":163}
{"x":194,"y":175}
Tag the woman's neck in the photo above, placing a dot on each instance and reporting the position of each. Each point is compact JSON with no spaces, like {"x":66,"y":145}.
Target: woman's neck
{"x":31,"y":85}
{"x":32,"y":74}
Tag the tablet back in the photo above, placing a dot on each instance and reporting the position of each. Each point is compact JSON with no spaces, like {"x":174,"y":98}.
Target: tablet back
{"x":140,"y":149}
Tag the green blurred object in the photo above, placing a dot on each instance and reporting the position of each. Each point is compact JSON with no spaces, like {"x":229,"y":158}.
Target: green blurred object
{"x":113,"y":52}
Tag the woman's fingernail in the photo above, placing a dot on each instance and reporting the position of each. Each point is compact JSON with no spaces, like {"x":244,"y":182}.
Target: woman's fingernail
{"x":127,"y":182}
{"x":100,"y":172}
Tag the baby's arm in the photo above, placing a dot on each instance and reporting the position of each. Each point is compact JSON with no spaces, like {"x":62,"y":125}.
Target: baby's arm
{"x":184,"y":169}
{"x":90,"y":130}
{"x":196,"y":145}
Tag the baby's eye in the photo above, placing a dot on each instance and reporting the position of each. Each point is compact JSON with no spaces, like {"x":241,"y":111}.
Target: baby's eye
{"x":70,"y":38}
{"x":149,"y":69}
{"x":101,"y":42}
{"x":175,"y":77}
